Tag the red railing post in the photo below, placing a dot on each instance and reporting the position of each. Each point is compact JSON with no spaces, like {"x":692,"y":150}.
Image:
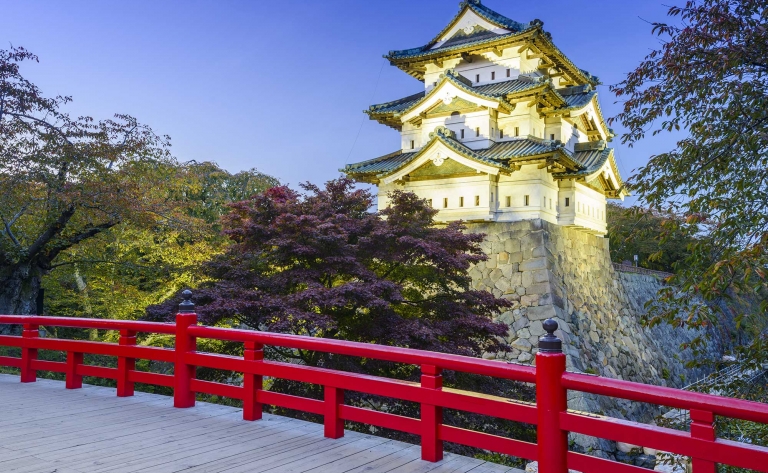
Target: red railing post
{"x":73,"y":380}
{"x":551,"y":400}
{"x":431,"y":416}
{"x":125,"y":365}
{"x":252,"y":383}
{"x":184,"y":373}
{"x":28,"y":355}
{"x":332,"y":421}
{"x":702,"y":427}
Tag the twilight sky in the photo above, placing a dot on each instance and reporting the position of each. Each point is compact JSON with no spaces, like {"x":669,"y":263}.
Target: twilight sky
{"x":281,"y":85}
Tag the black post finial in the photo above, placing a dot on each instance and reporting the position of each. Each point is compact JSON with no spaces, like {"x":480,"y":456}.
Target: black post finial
{"x":187,"y":306}
{"x":549,"y":343}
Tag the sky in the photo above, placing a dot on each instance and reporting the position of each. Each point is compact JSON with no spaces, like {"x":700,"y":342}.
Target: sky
{"x":281,"y":85}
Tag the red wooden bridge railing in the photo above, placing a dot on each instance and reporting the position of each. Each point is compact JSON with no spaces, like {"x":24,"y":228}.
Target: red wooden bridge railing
{"x":550,"y":414}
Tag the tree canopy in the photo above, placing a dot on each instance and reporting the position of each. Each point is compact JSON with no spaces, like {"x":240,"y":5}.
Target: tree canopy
{"x":66,"y":179}
{"x":121,"y":271}
{"x":708,"y":80}
{"x":659,"y":239}
{"x":320,"y":264}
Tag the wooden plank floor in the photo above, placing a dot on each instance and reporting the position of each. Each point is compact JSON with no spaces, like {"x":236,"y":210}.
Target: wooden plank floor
{"x":45,"y":428}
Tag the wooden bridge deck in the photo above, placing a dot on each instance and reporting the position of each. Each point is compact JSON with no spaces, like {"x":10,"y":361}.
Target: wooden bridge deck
{"x":45,"y":428}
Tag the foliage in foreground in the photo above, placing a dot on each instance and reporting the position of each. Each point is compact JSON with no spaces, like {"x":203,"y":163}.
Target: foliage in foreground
{"x":320,"y":264}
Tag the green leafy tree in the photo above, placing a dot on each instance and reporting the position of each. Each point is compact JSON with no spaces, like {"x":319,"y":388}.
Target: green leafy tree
{"x":709,"y":80}
{"x":120,"y":272}
{"x":66,"y":180}
{"x":659,"y":239}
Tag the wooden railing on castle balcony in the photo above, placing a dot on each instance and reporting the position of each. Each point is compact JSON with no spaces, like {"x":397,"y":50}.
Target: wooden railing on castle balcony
{"x":550,"y":414}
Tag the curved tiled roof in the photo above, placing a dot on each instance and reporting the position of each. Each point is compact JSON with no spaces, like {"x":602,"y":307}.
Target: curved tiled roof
{"x":519,"y":148}
{"x":499,"y":154}
{"x":513,"y":86}
{"x":493,"y":91}
{"x":579,"y":100}
{"x":401,"y":106}
{"x":590,"y":160}
{"x":397,"y":105}
{"x":382,"y":164}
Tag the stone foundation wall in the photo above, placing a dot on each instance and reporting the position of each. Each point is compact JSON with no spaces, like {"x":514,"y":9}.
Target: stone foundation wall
{"x":549,"y":271}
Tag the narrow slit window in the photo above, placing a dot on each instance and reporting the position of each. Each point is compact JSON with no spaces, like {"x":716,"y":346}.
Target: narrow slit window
{"x":477,"y":77}
{"x":508,"y":73}
{"x":462,"y":133}
{"x":477,"y":131}
{"x":461,"y":201}
{"x":501,"y":133}
{"x":477,"y":200}
{"x":527,"y":200}
{"x":445,"y":202}
{"x":429,"y":203}
{"x":567,"y":201}
{"x":552,"y":137}
{"x":550,"y":204}
{"x":517,"y":131}
{"x":413,"y":144}
{"x":493,"y":76}
{"x":509,"y":201}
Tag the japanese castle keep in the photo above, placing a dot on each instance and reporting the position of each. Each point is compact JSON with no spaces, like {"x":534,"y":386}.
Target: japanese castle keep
{"x":505,"y":129}
{"x":508,"y":136}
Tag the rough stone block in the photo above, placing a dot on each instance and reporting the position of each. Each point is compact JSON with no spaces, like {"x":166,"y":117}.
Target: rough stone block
{"x":541,"y":288}
{"x":534,"y":263}
{"x":522,"y":345}
{"x":540,"y":313}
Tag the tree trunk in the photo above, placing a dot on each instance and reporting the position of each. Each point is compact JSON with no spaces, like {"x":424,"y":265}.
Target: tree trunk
{"x":19,"y":287}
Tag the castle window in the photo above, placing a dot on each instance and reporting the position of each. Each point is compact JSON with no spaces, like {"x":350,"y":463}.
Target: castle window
{"x":477,"y":77}
{"x":550,"y":204}
{"x":413,"y":144}
{"x":445,"y":202}
{"x":429,"y":202}
{"x":477,"y":200}
{"x":461,"y":201}
{"x":462,"y":133}
{"x":477,"y":131}
{"x":567,"y":201}
{"x":552,"y":137}
{"x":493,"y":76}
{"x":501,"y":133}
{"x":527,"y":200}
{"x":509,"y":201}
{"x":517,"y":131}
{"x":508,"y":72}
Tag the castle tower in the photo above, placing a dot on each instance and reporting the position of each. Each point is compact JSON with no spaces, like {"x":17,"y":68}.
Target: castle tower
{"x":506,"y":129}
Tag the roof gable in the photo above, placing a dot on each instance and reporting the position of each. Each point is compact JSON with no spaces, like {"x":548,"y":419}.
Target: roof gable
{"x":471,"y":15}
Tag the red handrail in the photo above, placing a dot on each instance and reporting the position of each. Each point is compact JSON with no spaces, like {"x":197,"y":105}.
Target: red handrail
{"x":549,"y":414}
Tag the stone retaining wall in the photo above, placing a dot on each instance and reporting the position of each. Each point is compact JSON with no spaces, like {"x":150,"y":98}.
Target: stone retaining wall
{"x":557,"y":272}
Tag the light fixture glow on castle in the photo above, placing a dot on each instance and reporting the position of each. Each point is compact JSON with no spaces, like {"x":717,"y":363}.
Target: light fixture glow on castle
{"x":506,"y":128}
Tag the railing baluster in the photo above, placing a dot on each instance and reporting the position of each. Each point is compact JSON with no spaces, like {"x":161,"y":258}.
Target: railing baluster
{"x":702,"y":427}
{"x":431,"y":416}
{"x":74,"y":380}
{"x":252,"y":383}
{"x":333,"y":423}
{"x":184,"y":373}
{"x":28,"y":355}
{"x":551,"y":400}
{"x":125,"y":387}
